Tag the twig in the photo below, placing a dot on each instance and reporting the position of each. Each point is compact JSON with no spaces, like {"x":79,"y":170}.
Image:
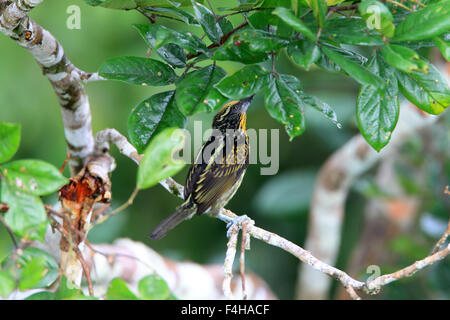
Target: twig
{"x":107,"y":136}
{"x":65,"y":162}
{"x":87,"y":76}
{"x":400,"y":5}
{"x":150,"y":17}
{"x":68,"y":235}
{"x":125,"y":205}
{"x":4,"y":207}
{"x":212,"y":10}
{"x":86,"y":270}
{"x":242,"y":260}
{"x":418,"y":2}
{"x":221,"y":42}
{"x":242,"y":11}
{"x":343,"y":8}
{"x":352,"y":293}
{"x":408,"y":271}
{"x":306,"y":257}
{"x":442,"y":240}
{"x":228,"y":264}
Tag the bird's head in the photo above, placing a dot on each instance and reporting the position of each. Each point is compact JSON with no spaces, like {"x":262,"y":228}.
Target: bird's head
{"x":232,"y":115}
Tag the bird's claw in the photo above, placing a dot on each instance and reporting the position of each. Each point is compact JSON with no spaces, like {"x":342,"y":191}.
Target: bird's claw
{"x":238,"y":221}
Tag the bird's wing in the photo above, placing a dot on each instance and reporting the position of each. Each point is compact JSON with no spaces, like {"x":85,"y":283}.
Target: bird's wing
{"x":208,"y":181}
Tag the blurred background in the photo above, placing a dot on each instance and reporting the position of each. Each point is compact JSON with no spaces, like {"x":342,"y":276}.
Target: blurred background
{"x":277,"y":203}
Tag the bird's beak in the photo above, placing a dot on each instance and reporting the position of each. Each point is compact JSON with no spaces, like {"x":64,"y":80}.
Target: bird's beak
{"x":246,"y":102}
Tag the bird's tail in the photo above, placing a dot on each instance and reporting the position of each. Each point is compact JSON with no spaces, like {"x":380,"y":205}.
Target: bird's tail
{"x":183,"y":212}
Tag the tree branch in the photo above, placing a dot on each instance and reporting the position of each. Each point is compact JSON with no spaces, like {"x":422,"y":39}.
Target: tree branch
{"x":303,"y":255}
{"x":64,"y":77}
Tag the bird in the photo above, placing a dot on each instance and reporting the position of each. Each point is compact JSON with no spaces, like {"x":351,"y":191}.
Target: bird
{"x":218,"y":169}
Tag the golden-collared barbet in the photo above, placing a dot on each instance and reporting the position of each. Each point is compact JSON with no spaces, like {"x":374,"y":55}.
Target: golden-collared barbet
{"x":218,"y":169}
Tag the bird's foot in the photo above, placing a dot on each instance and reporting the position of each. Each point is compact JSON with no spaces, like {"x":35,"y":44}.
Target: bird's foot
{"x":239,"y":221}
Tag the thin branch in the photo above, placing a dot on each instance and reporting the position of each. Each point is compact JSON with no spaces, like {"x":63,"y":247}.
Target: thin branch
{"x":242,"y":260}
{"x":352,"y":293}
{"x":418,"y":2}
{"x":107,"y":136}
{"x":409,"y":270}
{"x":69,"y":236}
{"x":228,"y":264}
{"x":242,"y":11}
{"x":151,"y":17}
{"x":305,"y":256}
{"x":343,"y":8}
{"x":212,"y":10}
{"x":221,"y":42}
{"x":125,"y":205}
{"x":442,"y":240}
{"x":400,"y":5}
{"x":4,"y":207}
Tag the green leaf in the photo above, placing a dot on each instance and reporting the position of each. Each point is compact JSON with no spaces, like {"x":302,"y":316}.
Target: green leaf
{"x":138,"y":70}
{"x":304,"y":53}
{"x":243,"y":5}
{"x":7,"y":283}
{"x":377,"y":110}
{"x":235,"y":49}
{"x":68,"y":291}
{"x":319,"y":8}
{"x":182,"y":14}
{"x":152,"y":287}
{"x":173,"y":54}
{"x":357,"y":72}
{"x":33,"y":176}
{"x":244,"y":83}
{"x":152,"y":116}
{"x":26,"y":215}
{"x":404,"y":58}
{"x":214,"y":30}
{"x":158,"y":162}
{"x":377,"y":17}
{"x":9,"y":140}
{"x":328,"y":64}
{"x":428,"y":91}
{"x":351,"y":31}
{"x":284,"y":103}
{"x":157,"y":35}
{"x":444,"y":47}
{"x":118,"y":290}
{"x":425,"y":23}
{"x":262,"y":18}
{"x":32,"y":273}
{"x":322,"y":107}
{"x":289,"y":18}
{"x":43,"y":295}
{"x":42,"y":272}
{"x":196,"y":92}
{"x":262,"y":41}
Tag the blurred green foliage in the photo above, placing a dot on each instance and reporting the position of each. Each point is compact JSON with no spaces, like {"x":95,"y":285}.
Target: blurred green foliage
{"x":26,"y":97}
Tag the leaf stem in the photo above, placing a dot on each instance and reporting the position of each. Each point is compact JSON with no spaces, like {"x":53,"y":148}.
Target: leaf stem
{"x":125,"y":205}
{"x":242,"y":11}
{"x":221,"y":42}
{"x":400,"y":5}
